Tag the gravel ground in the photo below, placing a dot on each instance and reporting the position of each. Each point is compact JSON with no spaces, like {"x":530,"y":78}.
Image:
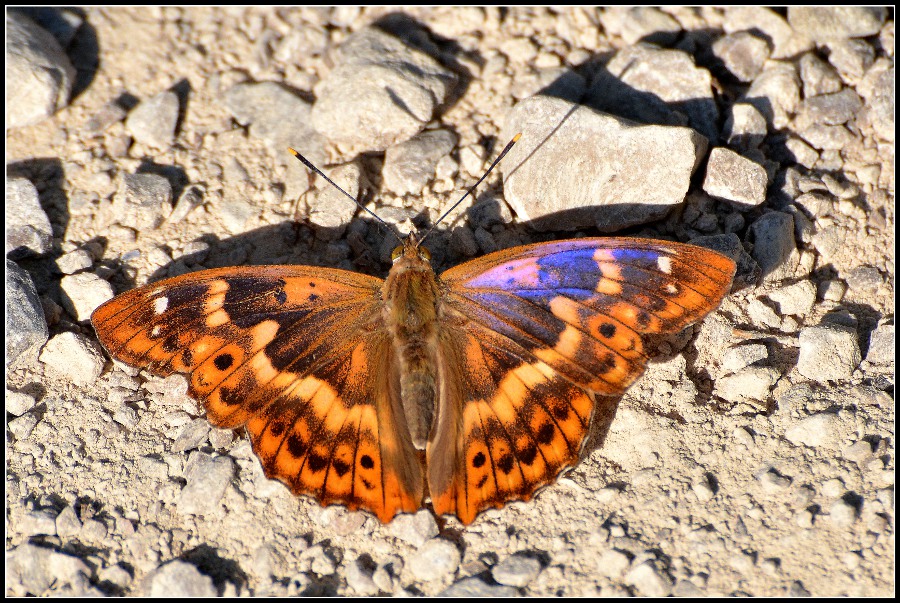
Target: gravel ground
{"x":754,"y":457}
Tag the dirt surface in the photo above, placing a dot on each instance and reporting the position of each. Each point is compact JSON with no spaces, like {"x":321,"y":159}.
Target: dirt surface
{"x":681,"y":492}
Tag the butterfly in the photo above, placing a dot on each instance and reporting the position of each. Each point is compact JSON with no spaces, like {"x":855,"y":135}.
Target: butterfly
{"x":474,"y":388}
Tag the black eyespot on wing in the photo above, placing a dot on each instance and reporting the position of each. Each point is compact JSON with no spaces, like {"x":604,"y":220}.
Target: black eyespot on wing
{"x":479,"y":460}
{"x":223,"y":361}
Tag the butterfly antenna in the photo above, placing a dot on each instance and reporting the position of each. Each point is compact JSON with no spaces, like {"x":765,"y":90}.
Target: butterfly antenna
{"x":316,"y":170}
{"x":503,"y":153}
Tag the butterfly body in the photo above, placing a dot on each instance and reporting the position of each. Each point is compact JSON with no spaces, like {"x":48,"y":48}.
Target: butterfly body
{"x":411,"y":299}
{"x":342,"y":379}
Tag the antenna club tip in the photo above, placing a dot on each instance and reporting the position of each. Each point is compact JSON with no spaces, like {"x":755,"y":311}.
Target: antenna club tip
{"x":293,"y":152}
{"x":517,"y":137}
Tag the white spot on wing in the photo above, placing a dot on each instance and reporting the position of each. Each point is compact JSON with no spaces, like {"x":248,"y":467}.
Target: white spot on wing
{"x":670,"y":288}
{"x":665,"y":264}
{"x":155,"y":331}
{"x":160,"y":304}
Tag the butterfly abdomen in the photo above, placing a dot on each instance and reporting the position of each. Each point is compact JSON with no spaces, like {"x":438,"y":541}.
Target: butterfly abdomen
{"x":411,"y":297}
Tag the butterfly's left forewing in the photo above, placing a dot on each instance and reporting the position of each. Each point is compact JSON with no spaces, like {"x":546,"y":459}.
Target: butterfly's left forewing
{"x":529,"y":334}
{"x":300,"y":356}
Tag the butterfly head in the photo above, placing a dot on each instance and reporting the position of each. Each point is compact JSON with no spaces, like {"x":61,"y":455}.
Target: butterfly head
{"x":411,"y":252}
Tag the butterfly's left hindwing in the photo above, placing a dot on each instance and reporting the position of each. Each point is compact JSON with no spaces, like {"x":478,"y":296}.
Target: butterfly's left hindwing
{"x":300,"y":356}
{"x":529,"y":334}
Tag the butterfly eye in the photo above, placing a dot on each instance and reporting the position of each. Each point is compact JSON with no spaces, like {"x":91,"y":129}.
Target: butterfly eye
{"x":396,"y":253}
{"x":424,"y":253}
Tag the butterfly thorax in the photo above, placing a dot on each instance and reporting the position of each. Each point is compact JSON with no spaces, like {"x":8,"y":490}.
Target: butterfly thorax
{"x":411,"y":298}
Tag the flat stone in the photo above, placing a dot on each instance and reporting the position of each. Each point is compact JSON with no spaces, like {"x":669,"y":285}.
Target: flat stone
{"x":828,"y":138}
{"x":28,"y":230}
{"x":192,"y":435}
{"x":649,"y":84}
{"x":143,"y":201}
{"x":516,"y":570}
{"x":735,"y":178}
{"x":179,"y":579}
{"x":152,"y":468}
{"x":640,"y":24}
{"x":775,"y":93}
{"x":26,"y":326}
{"x":18,"y":403}
{"x":859,"y":452}
{"x":762,"y":314}
{"x":828,"y":352}
{"x":829,"y":241}
{"x":73,"y":357}
{"x":68,"y":525}
{"x":381,"y":92}
{"x":751,"y":383}
{"x":93,"y":531}
{"x":796,"y":300}
{"x":818,"y":76}
{"x":43,"y":74}
{"x":815,"y":430}
{"x":152,"y":121}
{"x":410,"y":166}
{"x":852,"y":58}
{"x":415,"y":528}
{"x":786,"y":42}
{"x":745,"y":127}
{"x":828,"y":109}
{"x":329,"y":210}
{"x":476,"y":588}
{"x":191,"y":197}
{"x":115,"y":574}
{"x":21,"y":427}
{"x":622,"y":175}
{"x":34,"y":570}
{"x":881,"y":346}
{"x":74,"y":261}
{"x":83,"y":293}
{"x":648,"y":580}
{"x":207,"y":479}
{"x":107,"y":115}
{"x":126,"y":416}
{"x":742,"y":356}
{"x":775,"y":249}
{"x":436,"y":559}
{"x":278,"y":117}
{"x":743,"y":54}
{"x":802,"y":153}
{"x":879,"y":108}
{"x":821,"y":23}
{"x":864,"y":280}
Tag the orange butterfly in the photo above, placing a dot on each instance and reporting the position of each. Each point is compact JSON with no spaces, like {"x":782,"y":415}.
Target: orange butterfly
{"x":343,"y":379}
